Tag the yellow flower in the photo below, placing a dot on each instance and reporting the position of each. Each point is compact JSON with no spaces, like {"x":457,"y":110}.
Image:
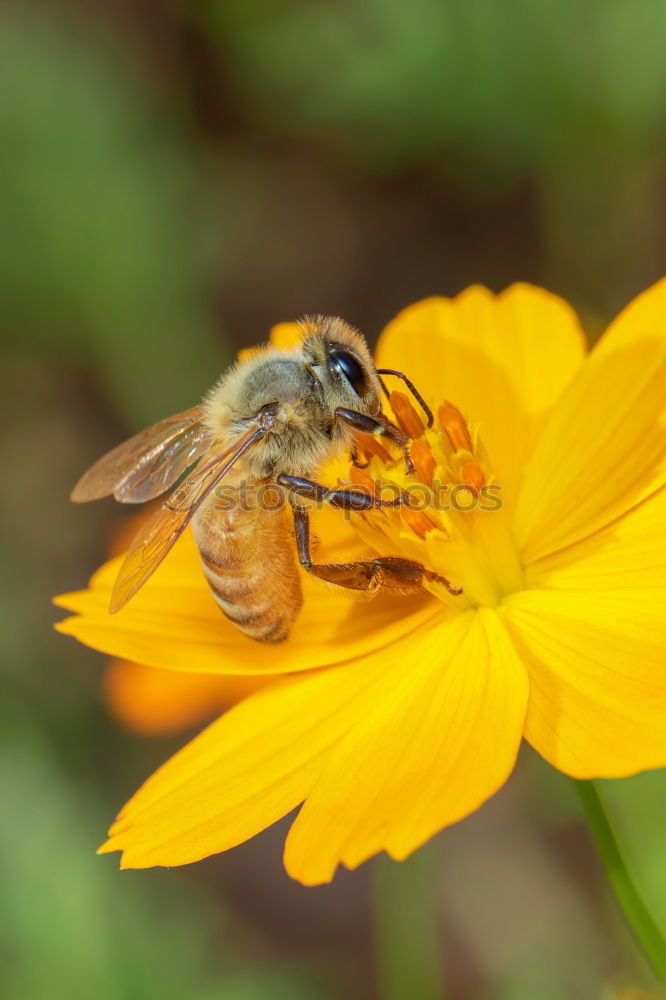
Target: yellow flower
{"x":400,"y":716}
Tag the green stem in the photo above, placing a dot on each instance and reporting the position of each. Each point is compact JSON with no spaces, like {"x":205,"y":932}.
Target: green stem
{"x":407,"y":939}
{"x":636,"y":913}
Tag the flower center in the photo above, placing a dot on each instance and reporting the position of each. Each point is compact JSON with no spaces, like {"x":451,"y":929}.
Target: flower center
{"x":454,"y":521}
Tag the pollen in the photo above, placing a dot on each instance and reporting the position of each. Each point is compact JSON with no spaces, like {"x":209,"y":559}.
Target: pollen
{"x":406,"y":416}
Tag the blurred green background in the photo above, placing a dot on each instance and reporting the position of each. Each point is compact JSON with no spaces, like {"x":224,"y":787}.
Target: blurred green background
{"x":175,"y":178}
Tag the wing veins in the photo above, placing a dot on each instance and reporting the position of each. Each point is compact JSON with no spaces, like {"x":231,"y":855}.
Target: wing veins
{"x":157,"y":538}
{"x":146,"y":465}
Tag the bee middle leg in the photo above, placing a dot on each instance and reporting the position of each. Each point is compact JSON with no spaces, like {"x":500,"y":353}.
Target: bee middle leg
{"x":402,"y":576}
{"x":341,"y":499}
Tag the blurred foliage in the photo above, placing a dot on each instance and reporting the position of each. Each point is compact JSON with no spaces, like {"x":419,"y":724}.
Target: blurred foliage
{"x":134,"y":140}
{"x":636,"y":807}
{"x":71,"y":928}
{"x":565,"y":95}
{"x":513,"y":84}
{"x":103,"y":235}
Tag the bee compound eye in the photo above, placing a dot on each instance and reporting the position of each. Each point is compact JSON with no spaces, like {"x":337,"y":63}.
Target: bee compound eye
{"x":346,"y":364}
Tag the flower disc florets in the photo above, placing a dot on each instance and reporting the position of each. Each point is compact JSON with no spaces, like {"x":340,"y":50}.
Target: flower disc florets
{"x":453,"y":520}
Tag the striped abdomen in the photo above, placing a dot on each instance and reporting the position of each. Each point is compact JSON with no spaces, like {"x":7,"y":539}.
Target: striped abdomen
{"x":250,"y":567}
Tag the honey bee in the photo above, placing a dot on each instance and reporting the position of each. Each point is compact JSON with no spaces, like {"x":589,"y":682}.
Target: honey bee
{"x":272,"y":420}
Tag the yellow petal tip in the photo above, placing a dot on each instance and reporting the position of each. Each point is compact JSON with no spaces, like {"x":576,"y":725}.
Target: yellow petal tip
{"x":107,"y":847}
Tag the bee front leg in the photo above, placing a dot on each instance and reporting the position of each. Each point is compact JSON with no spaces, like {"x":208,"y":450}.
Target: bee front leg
{"x":402,"y":576}
{"x":379,"y":427}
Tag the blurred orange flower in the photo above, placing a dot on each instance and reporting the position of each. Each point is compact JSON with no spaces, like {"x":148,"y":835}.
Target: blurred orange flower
{"x":157,"y":702}
{"x":401,"y":716}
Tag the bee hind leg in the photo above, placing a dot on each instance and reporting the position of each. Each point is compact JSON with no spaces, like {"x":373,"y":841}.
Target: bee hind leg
{"x":402,"y":576}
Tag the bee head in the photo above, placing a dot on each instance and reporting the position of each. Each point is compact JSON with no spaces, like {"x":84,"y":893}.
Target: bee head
{"x":340,"y":365}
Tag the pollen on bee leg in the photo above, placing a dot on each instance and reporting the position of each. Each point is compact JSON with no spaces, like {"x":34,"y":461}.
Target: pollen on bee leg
{"x":454,"y":426}
{"x":417,"y":520}
{"x":424,"y":461}
{"x":406,"y":416}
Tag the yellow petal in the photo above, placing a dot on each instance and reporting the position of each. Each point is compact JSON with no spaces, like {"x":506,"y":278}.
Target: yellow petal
{"x":602,"y":448}
{"x":286,"y":335}
{"x":252,"y":766}
{"x":597,"y":705}
{"x":240,"y":775}
{"x":438,"y":739}
{"x":503,"y":360}
{"x":282,"y":335}
{"x":157,"y":702}
{"x":174,"y":622}
{"x":628,"y":552}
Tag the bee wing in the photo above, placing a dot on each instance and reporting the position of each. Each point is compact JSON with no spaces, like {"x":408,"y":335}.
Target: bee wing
{"x":166,"y":526}
{"x":149,"y":463}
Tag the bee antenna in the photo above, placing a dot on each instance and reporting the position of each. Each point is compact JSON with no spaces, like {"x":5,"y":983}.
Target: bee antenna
{"x":412,"y":388}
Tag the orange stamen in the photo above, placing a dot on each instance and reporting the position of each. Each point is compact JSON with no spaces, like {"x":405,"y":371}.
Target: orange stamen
{"x":371,"y":448}
{"x":360,"y":477}
{"x":406,"y":416}
{"x":472,"y":475}
{"x":419,"y":522}
{"x":453,"y":424}
{"x":423,"y":460}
